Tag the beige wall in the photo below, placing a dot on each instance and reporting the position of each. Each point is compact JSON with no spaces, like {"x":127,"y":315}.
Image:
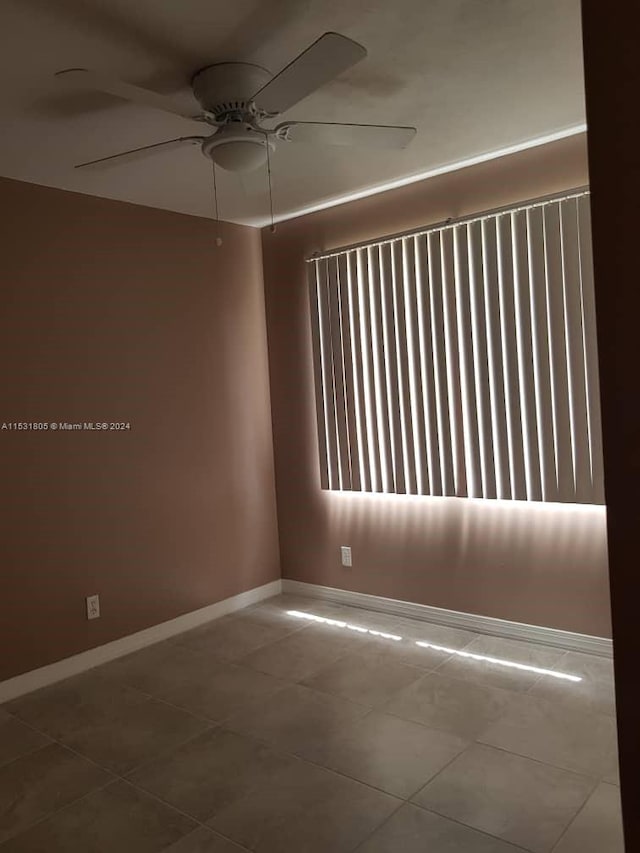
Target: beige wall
{"x":112,"y":312}
{"x":541,"y":564}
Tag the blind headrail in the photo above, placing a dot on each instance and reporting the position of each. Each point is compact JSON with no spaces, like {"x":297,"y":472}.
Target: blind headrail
{"x":541,"y":201}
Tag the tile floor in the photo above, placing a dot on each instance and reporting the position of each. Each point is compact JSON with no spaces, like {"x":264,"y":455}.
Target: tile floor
{"x":277,"y":733}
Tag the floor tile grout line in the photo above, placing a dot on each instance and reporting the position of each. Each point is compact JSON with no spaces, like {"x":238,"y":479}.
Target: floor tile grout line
{"x":214,"y":832}
{"x":408,"y":800}
{"x":486,"y":685}
{"x":325,"y":694}
{"x":116,"y":777}
{"x":213,"y":722}
{"x":482,"y":684}
{"x":382,"y":657}
{"x":166,"y":752}
{"x":211,"y":726}
{"x":215,"y":622}
{"x":493,"y":837}
{"x":521,"y":693}
{"x":361,"y":843}
{"x":29,"y":752}
{"x":576,"y":815}
{"x":208,"y":721}
{"x":289,"y":754}
{"x":582,"y":773}
{"x":55,"y":742}
{"x":114,"y":781}
{"x":119,"y":777}
{"x":302,"y":677}
{"x":439,"y":772}
{"x":156,"y":697}
{"x":396,"y":716}
{"x":54,"y":812}
{"x":62,"y":745}
{"x":281,"y":688}
{"x":531,"y":687}
{"x":174,"y":808}
{"x":223,"y":725}
{"x":161,"y":696}
{"x":596,"y":783}
{"x":353,"y":651}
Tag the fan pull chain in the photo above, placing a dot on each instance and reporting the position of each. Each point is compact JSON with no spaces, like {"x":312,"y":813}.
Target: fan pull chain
{"x":215,"y":205}
{"x":273,"y":227}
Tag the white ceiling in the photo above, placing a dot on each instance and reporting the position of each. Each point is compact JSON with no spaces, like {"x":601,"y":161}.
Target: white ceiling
{"x":474,"y":76}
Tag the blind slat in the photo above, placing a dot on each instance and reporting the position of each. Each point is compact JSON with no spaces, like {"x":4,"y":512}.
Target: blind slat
{"x":370,"y":425}
{"x":558,"y":353}
{"x":391,"y":369}
{"x":344,"y":468}
{"x":541,"y":354}
{"x":479,"y":333}
{"x":526,"y":369}
{"x":591,"y":351}
{"x":358,"y":374}
{"x":444,"y":388}
{"x":420,"y":378}
{"x":318,"y":383}
{"x":349,"y":372}
{"x":327,"y":373}
{"x":575,"y":351}
{"x":382,"y":400}
{"x":452,"y":355}
{"x":398,"y":274}
{"x":471,"y":438}
{"x":424,"y":355}
{"x":509,"y":347}
{"x":497,"y":391}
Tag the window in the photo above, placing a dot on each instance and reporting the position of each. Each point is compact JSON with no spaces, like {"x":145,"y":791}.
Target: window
{"x":462,"y":360}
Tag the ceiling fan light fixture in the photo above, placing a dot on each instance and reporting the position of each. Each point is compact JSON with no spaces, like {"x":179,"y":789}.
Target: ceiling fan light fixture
{"x":238,"y":148}
{"x":239,"y":156}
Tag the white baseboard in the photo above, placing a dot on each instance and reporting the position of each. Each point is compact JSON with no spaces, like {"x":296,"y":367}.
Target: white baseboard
{"x":455,"y":619}
{"x":76,"y":664}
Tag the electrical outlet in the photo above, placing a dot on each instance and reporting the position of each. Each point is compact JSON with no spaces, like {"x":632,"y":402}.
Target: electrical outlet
{"x":345,"y":553}
{"x":93,"y":607}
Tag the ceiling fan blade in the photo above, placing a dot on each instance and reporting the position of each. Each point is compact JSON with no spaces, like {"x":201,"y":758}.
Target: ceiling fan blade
{"x":81,"y":78}
{"x":327,"y":57}
{"x":139,"y":153}
{"x":331,"y":133}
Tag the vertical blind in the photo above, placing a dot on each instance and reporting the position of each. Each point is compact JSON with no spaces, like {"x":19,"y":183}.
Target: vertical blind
{"x":462,"y":360}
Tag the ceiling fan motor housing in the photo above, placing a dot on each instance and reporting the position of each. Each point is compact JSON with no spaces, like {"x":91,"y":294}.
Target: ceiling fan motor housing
{"x":226,"y":91}
{"x":228,"y":86}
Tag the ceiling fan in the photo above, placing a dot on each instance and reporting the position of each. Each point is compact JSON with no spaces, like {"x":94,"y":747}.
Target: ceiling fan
{"x":237,"y":97}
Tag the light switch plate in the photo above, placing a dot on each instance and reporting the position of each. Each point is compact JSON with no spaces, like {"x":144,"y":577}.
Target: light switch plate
{"x":93,"y":607}
{"x":345,"y":553}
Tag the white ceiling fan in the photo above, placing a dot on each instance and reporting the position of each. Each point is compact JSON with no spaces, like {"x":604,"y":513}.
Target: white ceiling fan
{"x":237,"y":97}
